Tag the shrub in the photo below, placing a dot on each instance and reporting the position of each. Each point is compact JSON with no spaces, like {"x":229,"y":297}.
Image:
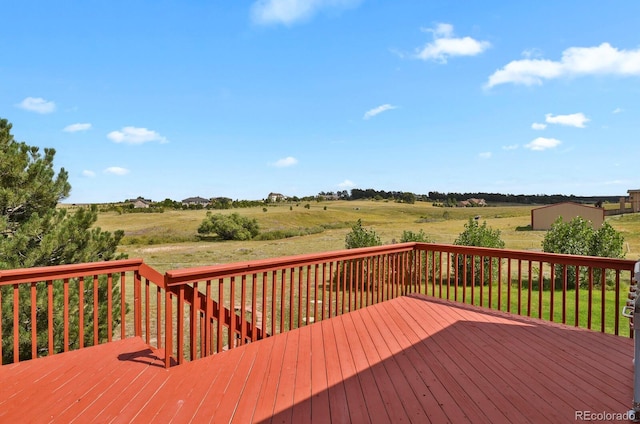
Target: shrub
{"x":419,"y":237}
{"x":229,"y":227}
{"x":361,"y":237}
{"x":578,"y":237}
{"x":471,"y":268}
{"x":357,"y":273}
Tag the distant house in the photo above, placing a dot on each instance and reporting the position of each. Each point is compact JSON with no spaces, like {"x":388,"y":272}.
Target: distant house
{"x":543,"y":217}
{"x":276,"y":197}
{"x":472,"y":203}
{"x":634,"y":198}
{"x":140,"y":202}
{"x":195,"y":201}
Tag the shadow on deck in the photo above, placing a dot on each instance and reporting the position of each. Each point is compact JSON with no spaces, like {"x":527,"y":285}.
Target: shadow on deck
{"x":411,"y":359}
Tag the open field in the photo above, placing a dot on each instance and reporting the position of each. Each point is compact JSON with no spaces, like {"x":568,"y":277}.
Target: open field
{"x":169,"y":240}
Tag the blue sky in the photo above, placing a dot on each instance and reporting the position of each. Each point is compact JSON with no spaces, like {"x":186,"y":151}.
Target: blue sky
{"x":241,"y":98}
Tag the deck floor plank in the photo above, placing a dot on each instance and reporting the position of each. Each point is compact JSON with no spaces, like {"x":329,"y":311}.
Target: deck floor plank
{"x":391,"y":399}
{"x":422,"y":401}
{"x":411,"y":359}
{"x":526,"y":341}
{"x":266,"y":398}
{"x":336,"y":391}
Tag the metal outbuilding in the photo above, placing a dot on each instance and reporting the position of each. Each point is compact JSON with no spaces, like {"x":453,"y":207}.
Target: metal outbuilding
{"x":543,"y":217}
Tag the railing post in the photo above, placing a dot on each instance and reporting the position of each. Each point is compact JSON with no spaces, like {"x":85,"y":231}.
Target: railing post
{"x":168,"y":327}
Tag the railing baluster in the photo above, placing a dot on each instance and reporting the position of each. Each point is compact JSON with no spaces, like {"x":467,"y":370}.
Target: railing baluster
{"x":81,"y":312}
{"x":16,"y":323}
{"x":232,"y":314}
{"x":603,"y":289}
{"x":66,"y":313}
{"x":490,"y":299}
{"x":274,"y":301}
{"x":193,"y":322}
{"x":590,"y":297}
{"x":221,"y":315}
{"x":242,"y":309}
{"x":617,"y":304}
{"x":180,"y":325}
{"x":553,"y":290}
{"x":158,"y":316}
{"x":254,"y":308}
{"x":34,"y":322}
{"x":168,"y":332}
{"x":123,"y":310}
{"x":564,"y":293}
{"x":499,"y":284}
{"x":264,"y":308}
{"x":509,"y":284}
{"x":110,"y":307}
{"x":540,"y":288}
{"x":50,"y":315}
{"x":282,"y":298}
{"x":519,"y":286}
{"x":529,"y":287}
{"x":96,"y":307}
{"x":332,"y":285}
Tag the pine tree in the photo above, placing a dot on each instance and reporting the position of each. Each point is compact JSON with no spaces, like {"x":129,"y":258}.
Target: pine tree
{"x":35,"y":232}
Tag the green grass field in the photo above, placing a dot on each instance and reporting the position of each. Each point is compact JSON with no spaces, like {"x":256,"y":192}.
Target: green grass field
{"x":169,"y":240}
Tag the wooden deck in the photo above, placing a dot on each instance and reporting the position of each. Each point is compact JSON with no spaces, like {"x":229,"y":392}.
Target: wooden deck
{"x":412,"y":359}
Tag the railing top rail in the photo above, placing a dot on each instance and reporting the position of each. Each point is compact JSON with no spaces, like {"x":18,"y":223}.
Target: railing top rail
{"x":181,"y":276}
{"x":57,"y":272}
{"x":592,"y":261}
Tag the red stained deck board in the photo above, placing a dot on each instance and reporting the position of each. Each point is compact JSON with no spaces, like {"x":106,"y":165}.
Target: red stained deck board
{"x":320,"y":406}
{"x":392,"y":402}
{"x":513,"y":380}
{"x":373,"y":398}
{"x":302,"y":386}
{"x":267,"y":395}
{"x":338,"y":405}
{"x":412,"y":359}
{"x":418,"y":395}
{"x":358,"y":409}
{"x":463,"y":369}
{"x":531,"y":342}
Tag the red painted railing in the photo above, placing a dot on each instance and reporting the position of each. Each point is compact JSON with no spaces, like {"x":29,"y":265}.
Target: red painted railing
{"x":60,"y":308}
{"x":215,"y":308}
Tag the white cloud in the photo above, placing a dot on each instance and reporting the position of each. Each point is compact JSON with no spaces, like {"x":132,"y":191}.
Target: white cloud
{"x":346,"y":184}
{"x":88,"y":174}
{"x":116,"y":170}
{"x":445,"y":45}
{"x":542,"y":143}
{"x":576,"y":61}
{"x":617,"y":110}
{"x":573,"y":120}
{"x":538,"y":126}
{"x":485,"y":155}
{"x":510,"y":147}
{"x":133,"y":135}
{"x":375,"y":111}
{"x":77,"y":127}
{"x":37,"y":104}
{"x":288,"y":12}
{"x":284,"y":162}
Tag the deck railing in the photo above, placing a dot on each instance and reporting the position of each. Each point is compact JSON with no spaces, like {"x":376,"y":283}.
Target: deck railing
{"x":60,"y":308}
{"x":214,"y":308}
